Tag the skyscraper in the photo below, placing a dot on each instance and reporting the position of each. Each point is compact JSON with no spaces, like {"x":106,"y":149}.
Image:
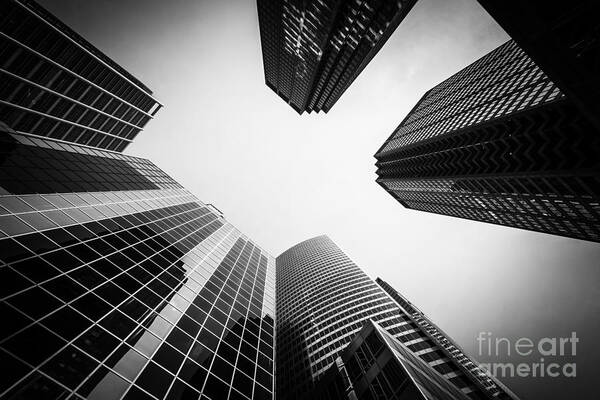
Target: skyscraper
{"x":115,"y":282}
{"x":313,"y":50}
{"x":323,"y":300}
{"x":376,"y":366}
{"x":56,"y":84}
{"x":498,"y":142}
{"x":562,"y":40}
{"x":447,"y":345}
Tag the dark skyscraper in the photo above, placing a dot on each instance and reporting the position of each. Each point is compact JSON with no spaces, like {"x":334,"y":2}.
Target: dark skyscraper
{"x":323,"y":301}
{"x":56,"y":84}
{"x":562,"y":40}
{"x":313,"y":50}
{"x":115,"y":281}
{"x":376,"y":366}
{"x":447,"y":345}
{"x":498,"y":142}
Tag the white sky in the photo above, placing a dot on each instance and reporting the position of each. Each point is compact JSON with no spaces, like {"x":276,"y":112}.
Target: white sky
{"x":282,"y":178}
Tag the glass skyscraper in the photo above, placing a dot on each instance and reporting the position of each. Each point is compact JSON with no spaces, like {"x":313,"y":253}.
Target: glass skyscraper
{"x":376,"y":366}
{"x":115,"y":282}
{"x":448,"y":346}
{"x":313,"y":50}
{"x":118,"y":283}
{"x":498,"y":142}
{"x":323,"y":300}
{"x":562,"y":40}
{"x":56,"y":84}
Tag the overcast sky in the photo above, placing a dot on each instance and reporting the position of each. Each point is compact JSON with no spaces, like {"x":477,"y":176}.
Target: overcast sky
{"x":282,"y":178}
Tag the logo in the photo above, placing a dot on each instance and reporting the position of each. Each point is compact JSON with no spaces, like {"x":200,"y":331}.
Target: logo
{"x":552,"y":352}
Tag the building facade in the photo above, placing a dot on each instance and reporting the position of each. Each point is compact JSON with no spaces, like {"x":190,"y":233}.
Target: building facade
{"x":562,"y":40}
{"x":314,"y":50}
{"x":498,"y":142}
{"x":448,"y":346}
{"x":323,"y":300}
{"x":56,"y":84}
{"x":374,"y":365}
{"x":117,"y":283}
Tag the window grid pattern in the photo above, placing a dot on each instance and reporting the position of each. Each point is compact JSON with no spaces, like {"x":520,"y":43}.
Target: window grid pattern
{"x":37,"y":165}
{"x":393,"y":370}
{"x":509,"y":202}
{"x":374,"y":365}
{"x":55,"y":84}
{"x":432,"y":384}
{"x":447,"y":345}
{"x":313,"y":51}
{"x":323,"y":300}
{"x":26,"y":214}
{"x":164,"y":300}
{"x":533,"y":166}
{"x":503,"y":82}
{"x":560,"y":40}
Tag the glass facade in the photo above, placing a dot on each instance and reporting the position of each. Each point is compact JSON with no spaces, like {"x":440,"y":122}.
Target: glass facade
{"x":562,"y":41}
{"x":313,"y":50}
{"x":498,"y":142}
{"x":502,"y":82}
{"x":374,"y":365}
{"x":55,"y":84}
{"x":496,"y":389}
{"x":117,"y":283}
{"x":35,"y":165}
{"x":323,"y":301}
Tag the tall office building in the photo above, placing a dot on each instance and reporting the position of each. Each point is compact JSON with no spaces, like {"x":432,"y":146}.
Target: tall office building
{"x":56,"y":84}
{"x":447,"y":345}
{"x":498,"y":142}
{"x":376,"y":366}
{"x":313,"y":50}
{"x":117,"y":283}
{"x":562,"y":40}
{"x":323,"y":300}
